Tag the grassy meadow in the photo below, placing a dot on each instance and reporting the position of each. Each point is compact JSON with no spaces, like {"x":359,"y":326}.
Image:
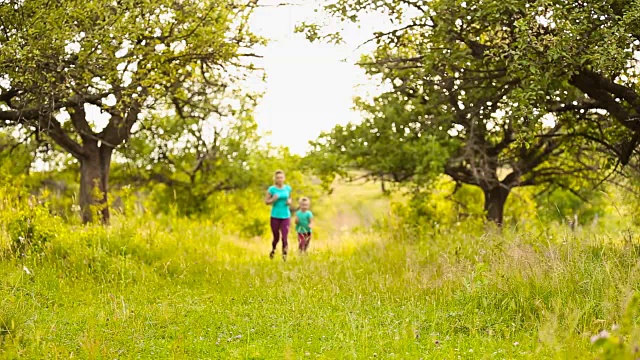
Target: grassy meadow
{"x":155,"y":288}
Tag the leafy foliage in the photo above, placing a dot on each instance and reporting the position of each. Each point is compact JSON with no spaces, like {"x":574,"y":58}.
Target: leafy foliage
{"x":31,"y":231}
{"x":194,"y":159}
{"x":125,"y":59}
{"x":16,"y":156}
{"x":390,"y":144}
{"x":487,"y":81}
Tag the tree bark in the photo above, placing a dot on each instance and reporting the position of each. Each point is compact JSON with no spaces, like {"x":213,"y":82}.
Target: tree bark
{"x":494,"y":201}
{"x":95,"y":167}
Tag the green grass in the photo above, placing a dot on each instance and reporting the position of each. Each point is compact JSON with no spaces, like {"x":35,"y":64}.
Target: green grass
{"x":172,"y":288}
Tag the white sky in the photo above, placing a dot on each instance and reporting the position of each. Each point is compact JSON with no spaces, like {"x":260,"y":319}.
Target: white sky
{"x":310,"y":86}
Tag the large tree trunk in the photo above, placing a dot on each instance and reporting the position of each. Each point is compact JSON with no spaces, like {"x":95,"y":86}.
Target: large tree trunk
{"x":94,"y":182}
{"x":494,"y":200}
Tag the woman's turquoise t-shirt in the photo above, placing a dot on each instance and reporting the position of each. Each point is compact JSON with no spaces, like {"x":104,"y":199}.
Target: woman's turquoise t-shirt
{"x":280,"y":209}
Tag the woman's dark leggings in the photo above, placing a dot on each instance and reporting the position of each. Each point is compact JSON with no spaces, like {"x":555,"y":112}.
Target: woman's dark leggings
{"x":280,"y":227}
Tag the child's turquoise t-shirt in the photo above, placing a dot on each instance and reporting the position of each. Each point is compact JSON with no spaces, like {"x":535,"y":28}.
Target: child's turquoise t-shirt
{"x":280,"y":209}
{"x":304,"y":219}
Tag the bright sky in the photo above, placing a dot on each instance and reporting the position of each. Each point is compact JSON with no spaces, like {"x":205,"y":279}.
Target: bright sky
{"x":310,"y":87}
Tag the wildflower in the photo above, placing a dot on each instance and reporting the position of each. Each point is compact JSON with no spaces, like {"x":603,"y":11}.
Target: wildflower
{"x":604,"y":334}
{"x":26,"y":269}
{"x":516,"y":343}
{"x":615,"y":327}
{"x":437,"y":342}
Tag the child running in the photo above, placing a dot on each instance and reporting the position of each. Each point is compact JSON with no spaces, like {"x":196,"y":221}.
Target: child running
{"x":304,"y":223}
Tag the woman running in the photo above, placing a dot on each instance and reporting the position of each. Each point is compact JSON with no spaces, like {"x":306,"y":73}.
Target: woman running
{"x":279,"y":197}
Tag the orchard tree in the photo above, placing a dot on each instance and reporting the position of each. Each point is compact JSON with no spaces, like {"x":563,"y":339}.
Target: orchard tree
{"x":519,"y":87}
{"x":391,"y":144}
{"x":17,"y":155}
{"x":195,"y":158}
{"x":65,"y":64}
{"x":401,"y":141}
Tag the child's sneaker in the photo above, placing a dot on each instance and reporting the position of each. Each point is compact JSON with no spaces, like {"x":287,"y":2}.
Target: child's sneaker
{"x":272,"y":254}
{"x":284,"y":257}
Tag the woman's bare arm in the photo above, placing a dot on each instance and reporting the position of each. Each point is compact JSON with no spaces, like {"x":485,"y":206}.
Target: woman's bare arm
{"x":269,"y":199}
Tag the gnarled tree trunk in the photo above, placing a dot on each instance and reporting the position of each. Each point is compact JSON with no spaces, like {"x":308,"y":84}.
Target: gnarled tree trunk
{"x":494,"y":201}
{"x":95,"y":166}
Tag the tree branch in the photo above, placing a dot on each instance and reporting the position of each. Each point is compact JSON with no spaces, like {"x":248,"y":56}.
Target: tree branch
{"x":79,"y":121}
{"x":601,"y":90}
{"x":51,"y":126}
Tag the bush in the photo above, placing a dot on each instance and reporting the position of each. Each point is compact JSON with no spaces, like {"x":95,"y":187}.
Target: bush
{"x":31,"y":230}
{"x":441,"y":207}
{"x":562,"y":205}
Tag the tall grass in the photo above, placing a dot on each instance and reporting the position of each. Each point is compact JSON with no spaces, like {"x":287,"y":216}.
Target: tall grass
{"x":150,"y":287}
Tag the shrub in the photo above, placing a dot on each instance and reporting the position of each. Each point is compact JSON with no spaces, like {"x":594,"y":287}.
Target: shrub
{"x":31,"y":230}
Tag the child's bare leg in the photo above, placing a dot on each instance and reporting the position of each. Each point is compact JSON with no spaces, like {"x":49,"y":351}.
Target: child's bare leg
{"x":306,"y":241}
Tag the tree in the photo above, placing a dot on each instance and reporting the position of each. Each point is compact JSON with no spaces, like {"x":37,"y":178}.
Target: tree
{"x":194,"y":158}
{"x":62,"y":63}
{"x":16,"y":155}
{"x":510,"y":83}
{"x":400,"y":142}
{"x":391,"y":144}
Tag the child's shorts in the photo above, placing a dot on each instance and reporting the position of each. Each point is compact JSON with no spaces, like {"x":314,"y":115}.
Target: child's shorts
{"x":304,"y":236}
